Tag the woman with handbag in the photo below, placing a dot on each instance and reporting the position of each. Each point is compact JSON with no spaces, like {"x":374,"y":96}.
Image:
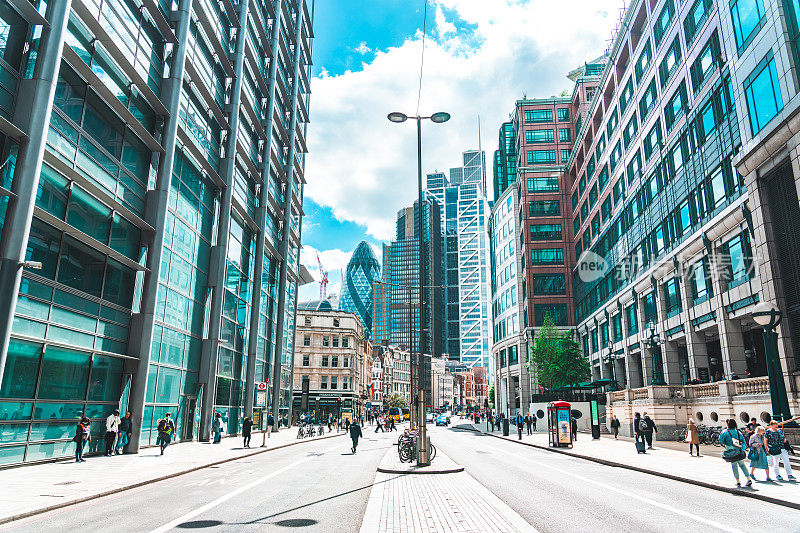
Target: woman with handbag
{"x":734,"y":453}
{"x":693,"y":436}
{"x":81,"y":438}
{"x":758,"y":453}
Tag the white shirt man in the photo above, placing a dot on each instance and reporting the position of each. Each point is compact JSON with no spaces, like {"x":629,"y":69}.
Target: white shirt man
{"x":112,"y":426}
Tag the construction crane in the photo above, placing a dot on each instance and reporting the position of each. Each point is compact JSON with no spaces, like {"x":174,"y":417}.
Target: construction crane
{"x":323,"y":280}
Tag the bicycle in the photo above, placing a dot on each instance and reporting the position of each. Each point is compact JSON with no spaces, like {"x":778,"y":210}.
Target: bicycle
{"x":301,"y":432}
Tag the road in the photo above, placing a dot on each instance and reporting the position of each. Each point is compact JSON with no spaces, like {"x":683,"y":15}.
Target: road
{"x":321,"y":487}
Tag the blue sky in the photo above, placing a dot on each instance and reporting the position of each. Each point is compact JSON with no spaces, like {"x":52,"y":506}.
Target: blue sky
{"x":480,"y":56}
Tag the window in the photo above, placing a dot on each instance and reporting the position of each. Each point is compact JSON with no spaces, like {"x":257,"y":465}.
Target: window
{"x":611,"y":125}
{"x":306,"y":360}
{"x":604,"y":334}
{"x":653,"y":140}
{"x":648,"y":101}
{"x":748,"y":17}
{"x":705,"y":64}
{"x":308,"y":321}
{"x":563,"y":114}
{"x":700,"y":280}
{"x":630,"y":131}
{"x":663,"y":21}
{"x":326,"y":341}
{"x":672,"y":297}
{"x":737,"y":260}
{"x":535,"y":157}
{"x":716,"y":189}
{"x":602,"y":179}
{"x":616,"y":324}
{"x":323,"y":382}
{"x":556,"y":312}
{"x":547,"y":256}
{"x":593,"y":195}
{"x":601,"y":146}
{"x":549,"y":284}
{"x":763,"y":94}
{"x":345,"y":383}
{"x":335,"y":361}
{"x":345,"y":342}
{"x":306,"y":340}
{"x":675,"y":106}
{"x":644,"y":61}
{"x":595,"y":225}
{"x":632,"y":319}
{"x":325,"y":360}
{"x":616,"y":155}
{"x":650,"y":311}
{"x":335,"y":341}
{"x":605,"y":209}
{"x":696,"y":18}
{"x":544,"y":208}
{"x":634,"y":167}
{"x":670,"y":62}
{"x":539,"y":136}
{"x":564,"y":155}
{"x":578,"y":122}
{"x":626,"y":96}
{"x":543,"y":184}
{"x":336,"y":322}
{"x":545,"y":232}
{"x":619,"y":190}
{"x":538,"y":115}
{"x":564,"y":135}
{"x":593,"y":336}
{"x":590,"y":168}
{"x":582,"y":184}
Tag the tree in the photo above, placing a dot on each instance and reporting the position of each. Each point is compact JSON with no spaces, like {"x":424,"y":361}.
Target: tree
{"x":556,"y":358}
{"x":491,"y":395}
{"x":395,"y":400}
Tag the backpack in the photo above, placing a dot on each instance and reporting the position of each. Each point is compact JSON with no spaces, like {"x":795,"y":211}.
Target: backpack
{"x":163,"y":427}
{"x":643,"y":425}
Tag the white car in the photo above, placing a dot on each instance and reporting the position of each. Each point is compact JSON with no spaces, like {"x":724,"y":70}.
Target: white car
{"x":428,"y":417}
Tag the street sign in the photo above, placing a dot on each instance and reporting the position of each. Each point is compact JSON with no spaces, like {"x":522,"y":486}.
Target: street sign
{"x":261,"y":398}
{"x":262,"y":386}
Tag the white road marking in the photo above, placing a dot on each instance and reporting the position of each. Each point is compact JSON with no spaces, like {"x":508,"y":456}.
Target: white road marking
{"x":233,"y":494}
{"x":629,"y":494}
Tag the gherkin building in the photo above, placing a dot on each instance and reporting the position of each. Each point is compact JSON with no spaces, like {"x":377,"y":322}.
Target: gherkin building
{"x":356,"y":295}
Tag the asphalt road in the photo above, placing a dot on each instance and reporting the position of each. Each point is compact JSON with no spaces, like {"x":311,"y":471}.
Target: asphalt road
{"x":317,"y":486}
{"x":557,"y":493}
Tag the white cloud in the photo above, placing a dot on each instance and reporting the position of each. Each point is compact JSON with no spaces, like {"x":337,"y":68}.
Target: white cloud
{"x":364,"y":167}
{"x":334,"y":261}
{"x":362,"y":48}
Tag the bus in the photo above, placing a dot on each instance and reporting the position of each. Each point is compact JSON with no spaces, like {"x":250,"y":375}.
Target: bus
{"x":395,"y":413}
{"x":406,"y":413}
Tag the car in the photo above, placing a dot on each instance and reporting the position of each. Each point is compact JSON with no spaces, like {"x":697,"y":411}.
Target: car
{"x":442,"y":420}
{"x":428,"y":417}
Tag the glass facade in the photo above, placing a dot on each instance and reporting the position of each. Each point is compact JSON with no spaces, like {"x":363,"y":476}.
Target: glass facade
{"x":363,"y":270}
{"x":127,"y":236}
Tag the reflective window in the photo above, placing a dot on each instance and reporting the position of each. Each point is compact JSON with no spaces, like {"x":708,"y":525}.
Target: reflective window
{"x":763,"y":94}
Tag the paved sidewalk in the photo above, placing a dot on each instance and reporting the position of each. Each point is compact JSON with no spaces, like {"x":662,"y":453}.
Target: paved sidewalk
{"x":36,"y":488}
{"x":709,"y":470}
{"x":443,"y":503}
{"x":441,"y":464}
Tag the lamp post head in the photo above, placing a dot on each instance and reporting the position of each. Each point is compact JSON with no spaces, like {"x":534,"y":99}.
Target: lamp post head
{"x":766,"y":314}
{"x":397,"y":117}
{"x":440,"y":117}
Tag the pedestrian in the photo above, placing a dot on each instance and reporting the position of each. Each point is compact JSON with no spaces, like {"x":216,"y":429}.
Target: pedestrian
{"x":355,"y":433}
{"x":533,"y":421}
{"x":392,"y":427}
{"x":751,"y":427}
{"x":615,"y":425}
{"x":379,"y":424}
{"x":123,"y":432}
{"x":693,"y":436}
{"x":216,"y":427}
{"x":247,"y":428}
{"x":777,"y":451}
{"x":330,"y":422}
{"x":758,"y":452}
{"x":734,"y":453}
{"x":528,"y":424}
{"x":270,"y":420}
{"x":639,"y":427}
{"x":651,"y":428}
{"x":388,"y":421}
{"x":112,"y":427}
{"x":490,"y":420}
{"x":520,"y":424}
{"x":81,"y":438}
{"x":166,"y":429}
{"x":574,"y":427}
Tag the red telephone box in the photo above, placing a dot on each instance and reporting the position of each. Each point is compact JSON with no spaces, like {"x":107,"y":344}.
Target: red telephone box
{"x":558,"y":424}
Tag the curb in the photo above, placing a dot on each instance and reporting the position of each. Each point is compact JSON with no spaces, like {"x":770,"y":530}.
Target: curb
{"x":56,"y":506}
{"x":419,"y":472}
{"x":737,"y":492}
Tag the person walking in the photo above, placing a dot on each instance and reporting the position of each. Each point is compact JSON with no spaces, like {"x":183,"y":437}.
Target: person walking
{"x":247,"y":429}
{"x":166,"y":429}
{"x":528,"y":424}
{"x":734,"y":453}
{"x":615,"y":426}
{"x":379,"y":424}
{"x":112,"y":427}
{"x":651,"y":428}
{"x":573,"y":423}
{"x":216,"y":428}
{"x":392,"y":427}
{"x":347,"y":424}
{"x":490,"y":420}
{"x":81,"y":438}
{"x":520,"y":421}
{"x":758,"y":453}
{"x":693,"y":436}
{"x":355,"y":433}
{"x":777,"y":451}
{"x":639,"y":427}
{"x":123,"y":432}
{"x":533,"y":421}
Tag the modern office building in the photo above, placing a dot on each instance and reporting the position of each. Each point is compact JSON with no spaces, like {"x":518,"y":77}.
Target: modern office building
{"x":505,"y":160}
{"x":465,"y":217}
{"x":682,"y":185}
{"x":356,"y":296}
{"x":152,"y":187}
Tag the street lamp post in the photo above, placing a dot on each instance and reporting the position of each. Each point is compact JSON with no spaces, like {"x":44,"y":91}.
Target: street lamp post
{"x":609,"y":359}
{"x":768,"y":316}
{"x":440,"y":117}
{"x":653,"y":341}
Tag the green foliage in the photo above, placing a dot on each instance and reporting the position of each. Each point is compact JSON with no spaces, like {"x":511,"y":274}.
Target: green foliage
{"x":491,"y":395}
{"x":395,"y":400}
{"x":557,"y":359}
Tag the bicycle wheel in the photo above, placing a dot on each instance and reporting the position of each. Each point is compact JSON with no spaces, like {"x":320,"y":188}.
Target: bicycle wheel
{"x":300,"y":433}
{"x":405,"y":454}
{"x":432,"y":453}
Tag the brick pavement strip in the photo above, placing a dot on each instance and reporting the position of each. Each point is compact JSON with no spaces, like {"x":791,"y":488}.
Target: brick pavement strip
{"x":35,"y":489}
{"x":453,"y":502}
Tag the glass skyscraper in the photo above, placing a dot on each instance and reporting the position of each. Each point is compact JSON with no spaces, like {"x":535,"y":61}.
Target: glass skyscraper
{"x":153,"y":166}
{"x":356,"y":296}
